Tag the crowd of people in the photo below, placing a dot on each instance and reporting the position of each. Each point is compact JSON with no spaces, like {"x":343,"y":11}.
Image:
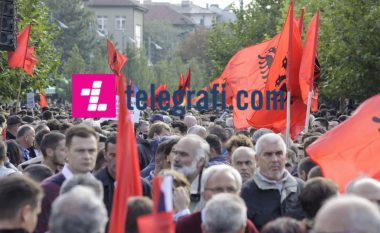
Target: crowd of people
{"x":58,"y":175}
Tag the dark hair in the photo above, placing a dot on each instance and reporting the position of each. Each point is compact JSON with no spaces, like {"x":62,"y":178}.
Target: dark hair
{"x":81,"y":131}
{"x":315,"y":172}
{"x":308,"y":141}
{"x":41,"y":127}
{"x":323,"y":122}
{"x":218,"y":131}
{"x":284,"y":225}
{"x":47,"y":115}
{"x":214,"y":143}
{"x":137,"y":206}
{"x":23,"y":130}
{"x":15,"y":193}
{"x":40,"y":135}
{"x":14,"y":152}
{"x":315,"y":193}
{"x":64,"y":127}
{"x":53,"y":124}
{"x":51,"y":140}
{"x":110,"y":139}
{"x":305,"y":164}
{"x":166,"y":146}
{"x":38,"y":172}
{"x":180,"y":125}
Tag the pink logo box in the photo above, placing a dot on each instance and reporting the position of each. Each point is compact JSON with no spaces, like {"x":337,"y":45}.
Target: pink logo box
{"x":93,"y":95}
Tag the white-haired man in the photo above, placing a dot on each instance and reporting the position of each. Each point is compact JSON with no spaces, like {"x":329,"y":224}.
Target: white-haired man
{"x":273,"y":191}
{"x":189,"y":157}
{"x":215,"y":180}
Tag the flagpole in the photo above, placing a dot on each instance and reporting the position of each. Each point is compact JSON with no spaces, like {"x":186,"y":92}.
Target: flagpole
{"x":308,"y":112}
{"x":287,"y":134}
{"x":18,"y":106}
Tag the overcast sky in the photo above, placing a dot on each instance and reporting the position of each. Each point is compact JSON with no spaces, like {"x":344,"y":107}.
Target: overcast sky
{"x":202,"y":3}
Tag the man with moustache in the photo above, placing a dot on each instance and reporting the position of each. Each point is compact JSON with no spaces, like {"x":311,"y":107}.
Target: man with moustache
{"x":273,"y":191}
{"x":189,"y":157}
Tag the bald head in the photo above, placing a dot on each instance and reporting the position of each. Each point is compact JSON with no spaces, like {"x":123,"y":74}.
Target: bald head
{"x":243,"y":159}
{"x":190,"y":121}
{"x":198,"y":130}
{"x":367,"y":188}
{"x":348,"y":214}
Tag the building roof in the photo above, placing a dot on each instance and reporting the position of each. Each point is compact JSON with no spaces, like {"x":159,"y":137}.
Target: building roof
{"x":223,"y":15}
{"x":190,"y":8}
{"x":164,"y":12}
{"x":114,"y":3}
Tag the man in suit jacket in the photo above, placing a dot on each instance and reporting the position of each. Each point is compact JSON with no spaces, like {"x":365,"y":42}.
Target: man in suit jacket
{"x":81,"y":149}
{"x":216,"y":179}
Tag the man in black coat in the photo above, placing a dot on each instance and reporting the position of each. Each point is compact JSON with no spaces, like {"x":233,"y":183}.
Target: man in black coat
{"x":272,"y":192}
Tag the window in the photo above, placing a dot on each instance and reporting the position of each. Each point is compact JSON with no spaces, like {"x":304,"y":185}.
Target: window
{"x":138,"y":36}
{"x":102,"y":23}
{"x":120,"y":22}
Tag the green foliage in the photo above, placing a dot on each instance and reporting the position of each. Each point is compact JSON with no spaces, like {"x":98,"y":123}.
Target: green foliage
{"x":41,"y":36}
{"x":348,"y":47}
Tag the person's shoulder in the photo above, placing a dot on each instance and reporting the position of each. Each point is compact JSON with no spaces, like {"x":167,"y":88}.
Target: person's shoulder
{"x":189,"y":221}
{"x":101,"y":174}
{"x":55,"y":180}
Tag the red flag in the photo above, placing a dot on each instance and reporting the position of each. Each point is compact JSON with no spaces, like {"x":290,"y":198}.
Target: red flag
{"x":116,"y":60}
{"x":43,"y":102}
{"x":309,"y":70}
{"x":187,"y":80}
{"x":127,"y":165}
{"x":17,"y":58}
{"x":352,"y":148}
{"x":300,"y":20}
{"x":30,"y":61}
{"x":283,"y":77}
{"x":195,"y":99}
{"x":158,"y":223}
{"x":181,"y":82}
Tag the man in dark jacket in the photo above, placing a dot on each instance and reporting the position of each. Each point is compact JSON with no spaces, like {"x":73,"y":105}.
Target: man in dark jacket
{"x":273,"y":191}
{"x":107,"y":174}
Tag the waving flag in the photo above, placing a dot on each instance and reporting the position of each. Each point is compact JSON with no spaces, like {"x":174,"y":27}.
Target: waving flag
{"x":17,"y":58}
{"x":116,"y":60}
{"x":30,"y":61}
{"x":352,"y":148}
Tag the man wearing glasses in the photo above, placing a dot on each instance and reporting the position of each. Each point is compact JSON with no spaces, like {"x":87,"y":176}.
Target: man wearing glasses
{"x":216,"y":179}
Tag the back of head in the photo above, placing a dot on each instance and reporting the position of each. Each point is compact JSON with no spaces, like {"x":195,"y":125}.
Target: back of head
{"x":15,"y":193}
{"x":86,"y":180}
{"x":348,"y":214}
{"x":39,"y":136}
{"x":78,"y":211}
{"x":137,"y":206}
{"x":198,"y":130}
{"x":315,"y":193}
{"x":218,"y":131}
{"x":367,"y":188}
{"x":284,"y":225}
{"x":225,"y":213}
{"x":214,"y":143}
{"x":38,"y":172}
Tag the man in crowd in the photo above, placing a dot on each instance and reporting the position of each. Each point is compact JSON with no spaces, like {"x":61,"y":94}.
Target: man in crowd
{"x":77,"y":211}
{"x":13,"y":123}
{"x":107,"y":174}
{"x":189,"y":157}
{"x":81,"y":149}
{"x":4,"y":171}
{"x":20,"y":204}
{"x":25,"y":139}
{"x":225,"y":213}
{"x":348,"y":214}
{"x":216,"y":179}
{"x":54,"y":151}
{"x":273,"y":191}
{"x":243,"y":160}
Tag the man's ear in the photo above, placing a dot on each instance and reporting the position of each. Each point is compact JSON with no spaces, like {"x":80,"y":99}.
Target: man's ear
{"x":201,"y":163}
{"x":49,"y":152}
{"x":25,"y":213}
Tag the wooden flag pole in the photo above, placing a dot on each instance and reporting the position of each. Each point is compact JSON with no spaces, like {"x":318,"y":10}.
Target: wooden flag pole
{"x":308,"y":112}
{"x":287,"y":134}
{"x":18,"y":104}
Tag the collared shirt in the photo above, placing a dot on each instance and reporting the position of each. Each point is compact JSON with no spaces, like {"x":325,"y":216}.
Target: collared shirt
{"x":66,"y":172}
{"x":25,"y":152}
{"x":278,"y":183}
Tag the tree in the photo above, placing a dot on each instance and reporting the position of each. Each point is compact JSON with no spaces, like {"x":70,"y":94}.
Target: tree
{"x":41,"y":36}
{"x":348,"y":48}
{"x":80,"y":23}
